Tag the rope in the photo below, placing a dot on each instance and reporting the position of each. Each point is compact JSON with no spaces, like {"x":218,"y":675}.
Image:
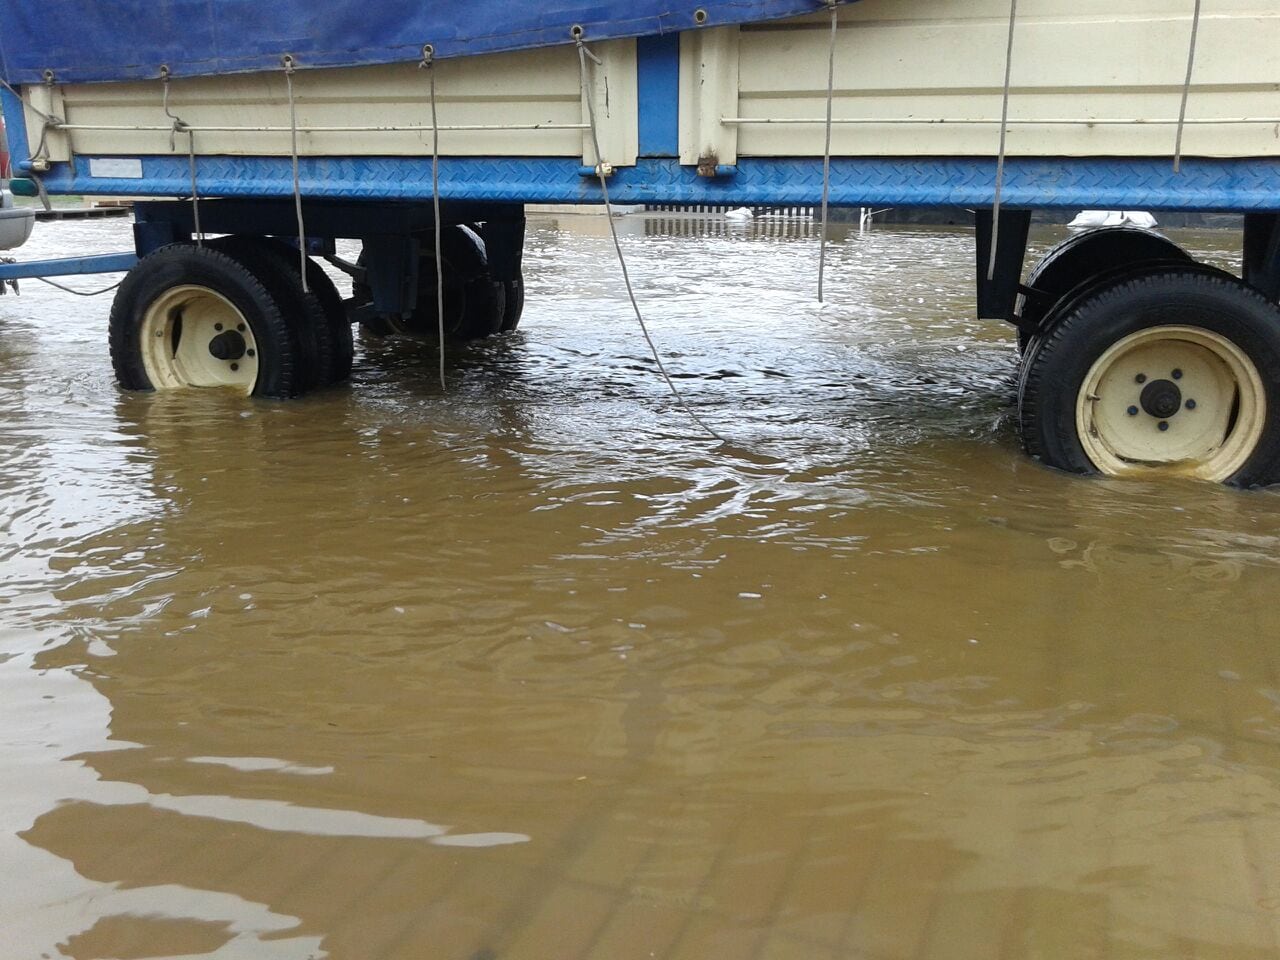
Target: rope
{"x":1004,"y":130}
{"x":826,"y":150}
{"x":288,"y":62}
{"x":42,"y":145}
{"x":41,"y":192}
{"x":80,"y":293}
{"x":428,"y":62}
{"x":1186,"y":88}
{"x":725,"y":121}
{"x":181,"y":126}
{"x":351,"y":127}
{"x":922,"y":121}
{"x":48,"y":121}
{"x":46,"y":117}
{"x":587,"y":93}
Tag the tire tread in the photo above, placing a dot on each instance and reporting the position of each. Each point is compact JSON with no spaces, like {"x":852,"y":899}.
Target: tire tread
{"x":174,"y":264}
{"x":1048,"y":432}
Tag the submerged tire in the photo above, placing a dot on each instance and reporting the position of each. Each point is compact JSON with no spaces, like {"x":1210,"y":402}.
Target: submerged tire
{"x":194,"y":317}
{"x":1084,"y":258}
{"x":474,"y":303}
{"x":513,"y":307}
{"x":1170,"y":371}
{"x":341,"y":346}
{"x":278,"y":271}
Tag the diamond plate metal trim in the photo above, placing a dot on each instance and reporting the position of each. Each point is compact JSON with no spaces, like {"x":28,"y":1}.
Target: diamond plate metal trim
{"x":1134,"y":184}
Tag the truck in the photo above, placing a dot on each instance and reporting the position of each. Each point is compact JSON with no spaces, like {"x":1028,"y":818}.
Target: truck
{"x":269,"y":131}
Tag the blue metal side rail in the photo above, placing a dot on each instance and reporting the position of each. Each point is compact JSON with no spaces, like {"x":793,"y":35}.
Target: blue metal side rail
{"x":70,"y":266}
{"x":1242,"y":185}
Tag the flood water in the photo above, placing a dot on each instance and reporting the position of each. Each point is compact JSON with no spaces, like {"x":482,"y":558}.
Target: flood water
{"x":529,"y":668}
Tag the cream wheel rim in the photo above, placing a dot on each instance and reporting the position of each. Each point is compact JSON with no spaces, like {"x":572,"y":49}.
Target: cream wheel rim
{"x":1174,"y":399}
{"x":195,"y":337}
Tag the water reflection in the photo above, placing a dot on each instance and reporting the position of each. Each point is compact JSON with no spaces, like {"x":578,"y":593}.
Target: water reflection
{"x":765,"y":227}
{"x":869,"y":684}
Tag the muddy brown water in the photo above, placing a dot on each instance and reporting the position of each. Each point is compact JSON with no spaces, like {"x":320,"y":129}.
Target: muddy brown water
{"x":528,"y":669}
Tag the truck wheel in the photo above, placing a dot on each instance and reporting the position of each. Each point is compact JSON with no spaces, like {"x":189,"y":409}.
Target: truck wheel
{"x":341,"y":346}
{"x":1029,"y":340}
{"x":474,"y":303}
{"x":189,"y":316}
{"x":1081,"y":258}
{"x":303,"y":311}
{"x":1172,"y":371}
{"x":513,"y":306}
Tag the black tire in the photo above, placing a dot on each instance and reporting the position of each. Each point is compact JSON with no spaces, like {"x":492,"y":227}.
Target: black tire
{"x":1163,"y":295}
{"x":341,"y":345}
{"x":1081,"y":259}
{"x":474,"y":303}
{"x":185,"y":264}
{"x":484,"y":313}
{"x":1028,"y":341}
{"x":274,"y":265}
{"x":513,"y":308}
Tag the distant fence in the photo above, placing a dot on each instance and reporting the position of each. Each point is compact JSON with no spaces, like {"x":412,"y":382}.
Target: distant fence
{"x":711,"y":209}
{"x":656,"y":225}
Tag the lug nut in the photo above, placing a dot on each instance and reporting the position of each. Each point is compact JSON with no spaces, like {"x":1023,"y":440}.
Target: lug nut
{"x":1133,"y":411}
{"x":240,"y":327}
{"x":1140,"y":378}
{"x":1177,"y":374}
{"x":217,"y":326}
{"x":236,"y":366}
{"x":1164,"y":425}
{"x":1191,"y":404}
{"x":252,"y":353}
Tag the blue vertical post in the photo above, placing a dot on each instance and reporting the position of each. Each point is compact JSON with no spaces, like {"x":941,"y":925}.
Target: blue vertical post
{"x":658,"y":79}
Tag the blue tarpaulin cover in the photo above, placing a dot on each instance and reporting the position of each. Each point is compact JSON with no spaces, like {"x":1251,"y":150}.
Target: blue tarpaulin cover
{"x":99,"y":40}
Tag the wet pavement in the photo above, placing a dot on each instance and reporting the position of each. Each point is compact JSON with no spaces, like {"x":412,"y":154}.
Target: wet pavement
{"x":531,"y":669}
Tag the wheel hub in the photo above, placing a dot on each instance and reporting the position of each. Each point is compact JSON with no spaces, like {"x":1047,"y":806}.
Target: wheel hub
{"x":1161,"y":399}
{"x":230,"y":345}
{"x":1180,"y":399}
{"x":193,"y":336}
